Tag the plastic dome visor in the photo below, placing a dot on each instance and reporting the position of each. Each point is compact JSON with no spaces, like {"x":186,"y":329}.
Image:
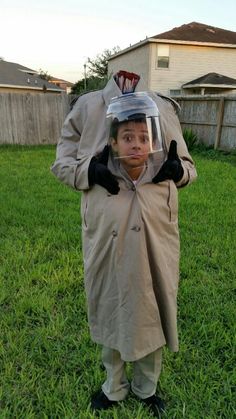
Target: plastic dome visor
{"x":134,"y":119}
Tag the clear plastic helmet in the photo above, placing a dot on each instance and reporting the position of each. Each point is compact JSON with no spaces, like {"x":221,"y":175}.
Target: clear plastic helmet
{"x":132,"y":108}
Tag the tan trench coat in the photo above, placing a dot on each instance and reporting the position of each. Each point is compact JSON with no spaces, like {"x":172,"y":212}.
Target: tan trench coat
{"x":130,"y":240}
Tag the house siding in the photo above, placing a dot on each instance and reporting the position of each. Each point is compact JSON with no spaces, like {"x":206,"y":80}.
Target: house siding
{"x":136,"y":61}
{"x":188,"y":62}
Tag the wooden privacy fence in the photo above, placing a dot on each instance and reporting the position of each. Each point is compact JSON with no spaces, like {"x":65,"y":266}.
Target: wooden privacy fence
{"x":212,"y":118}
{"x":37,"y":118}
{"x":32,"y":118}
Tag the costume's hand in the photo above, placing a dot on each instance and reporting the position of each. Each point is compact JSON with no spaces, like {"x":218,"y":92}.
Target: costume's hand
{"x":171,"y":168}
{"x":99,"y":173}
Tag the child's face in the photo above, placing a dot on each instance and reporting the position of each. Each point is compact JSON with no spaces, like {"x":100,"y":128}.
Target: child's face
{"x":132,"y":145}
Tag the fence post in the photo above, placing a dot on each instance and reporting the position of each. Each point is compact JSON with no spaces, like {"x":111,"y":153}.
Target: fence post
{"x":219,"y":122}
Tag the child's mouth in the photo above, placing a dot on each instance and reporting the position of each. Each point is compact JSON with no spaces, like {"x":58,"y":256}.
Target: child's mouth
{"x":136,"y":156}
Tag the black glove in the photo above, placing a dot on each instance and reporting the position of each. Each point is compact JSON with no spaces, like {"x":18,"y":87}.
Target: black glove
{"x":172,"y":168}
{"x":99,"y":173}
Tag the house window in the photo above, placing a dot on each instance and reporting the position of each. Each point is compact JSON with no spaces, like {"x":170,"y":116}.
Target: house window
{"x":162,"y":56}
{"x":175,"y":92}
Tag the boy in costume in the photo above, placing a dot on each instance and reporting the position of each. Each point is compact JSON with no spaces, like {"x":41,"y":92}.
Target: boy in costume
{"x":129,"y":209}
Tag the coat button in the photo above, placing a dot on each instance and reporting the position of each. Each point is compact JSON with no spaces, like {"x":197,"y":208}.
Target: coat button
{"x":133,"y":188}
{"x":136,"y":228}
{"x":114,"y":233}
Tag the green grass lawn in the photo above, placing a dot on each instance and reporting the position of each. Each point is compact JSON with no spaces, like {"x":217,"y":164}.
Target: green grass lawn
{"x":48,"y":364}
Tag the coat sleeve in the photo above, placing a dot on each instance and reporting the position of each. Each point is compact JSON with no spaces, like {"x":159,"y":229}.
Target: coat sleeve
{"x":68,"y":168}
{"x":171,"y":130}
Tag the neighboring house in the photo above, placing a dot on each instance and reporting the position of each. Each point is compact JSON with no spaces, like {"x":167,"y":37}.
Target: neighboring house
{"x":169,"y":61}
{"x":63,"y":84}
{"x":19,"y":79}
{"x":211,"y":83}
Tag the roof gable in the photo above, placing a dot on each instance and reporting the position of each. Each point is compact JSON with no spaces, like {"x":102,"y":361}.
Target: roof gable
{"x":199,"y":32}
{"x":212,"y":79}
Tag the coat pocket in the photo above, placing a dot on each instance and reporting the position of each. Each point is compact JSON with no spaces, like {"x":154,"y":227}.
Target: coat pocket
{"x":173,"y":202}
{"x":92,"y":208}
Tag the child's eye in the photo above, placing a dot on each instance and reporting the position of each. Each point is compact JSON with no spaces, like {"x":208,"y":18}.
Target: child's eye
{"x":145,"y":139}
{"x":127,"y":138}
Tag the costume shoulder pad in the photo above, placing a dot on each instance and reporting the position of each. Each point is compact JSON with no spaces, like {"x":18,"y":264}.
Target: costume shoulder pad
{"x":74,"y":100}
{"x":175,"y":104}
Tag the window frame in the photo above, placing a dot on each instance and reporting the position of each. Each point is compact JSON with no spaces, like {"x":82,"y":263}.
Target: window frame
{"x":161,"y":56}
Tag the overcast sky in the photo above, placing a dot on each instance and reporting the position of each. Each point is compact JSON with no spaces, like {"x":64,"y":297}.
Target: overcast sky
{"x":57,"y":36}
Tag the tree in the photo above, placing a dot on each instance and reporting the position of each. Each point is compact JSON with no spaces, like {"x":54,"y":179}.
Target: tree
{"x":98,"y":67}
{"x":97,"y":75}
{"x":91,"y":83}
{"x":44,"y":75}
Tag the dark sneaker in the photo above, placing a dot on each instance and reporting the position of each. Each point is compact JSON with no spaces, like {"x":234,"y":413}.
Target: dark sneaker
{"x":100,"y":401}
{"x":155,"y":404}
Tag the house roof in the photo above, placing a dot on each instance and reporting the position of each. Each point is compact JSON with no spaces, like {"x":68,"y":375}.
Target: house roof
{"x":17,"y":76}
{"x":199,"y":32}
{"x":194,"y":32}
{"x":57,"y":80}
{"x":211,"y":79}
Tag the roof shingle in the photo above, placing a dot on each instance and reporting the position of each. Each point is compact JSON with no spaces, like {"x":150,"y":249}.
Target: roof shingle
{"x":199,"y":32}
{"x":212,"y":79}
{"x":13,"y":74}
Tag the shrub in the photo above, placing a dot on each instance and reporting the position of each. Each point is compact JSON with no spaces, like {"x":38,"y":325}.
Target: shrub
{"x":190,"y":138}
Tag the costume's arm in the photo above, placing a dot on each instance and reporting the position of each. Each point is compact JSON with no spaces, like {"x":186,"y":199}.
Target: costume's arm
{"x":67,"y":167}
{"x":171,"y":130}
{"x":76,"y":164}
{"x":190,"y":173}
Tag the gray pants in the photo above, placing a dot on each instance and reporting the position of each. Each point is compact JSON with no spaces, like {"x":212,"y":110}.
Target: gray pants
{"x":146,"y":372}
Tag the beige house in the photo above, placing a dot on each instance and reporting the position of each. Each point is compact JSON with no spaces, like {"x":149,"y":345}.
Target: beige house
{"x":171,"y":62}
{"x":62,"y":84}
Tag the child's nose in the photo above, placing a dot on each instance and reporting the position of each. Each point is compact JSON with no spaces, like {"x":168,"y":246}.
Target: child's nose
{"x":136,"y":143}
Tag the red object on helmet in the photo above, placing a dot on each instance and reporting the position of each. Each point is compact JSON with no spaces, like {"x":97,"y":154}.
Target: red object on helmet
{"x":126,"y":81}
